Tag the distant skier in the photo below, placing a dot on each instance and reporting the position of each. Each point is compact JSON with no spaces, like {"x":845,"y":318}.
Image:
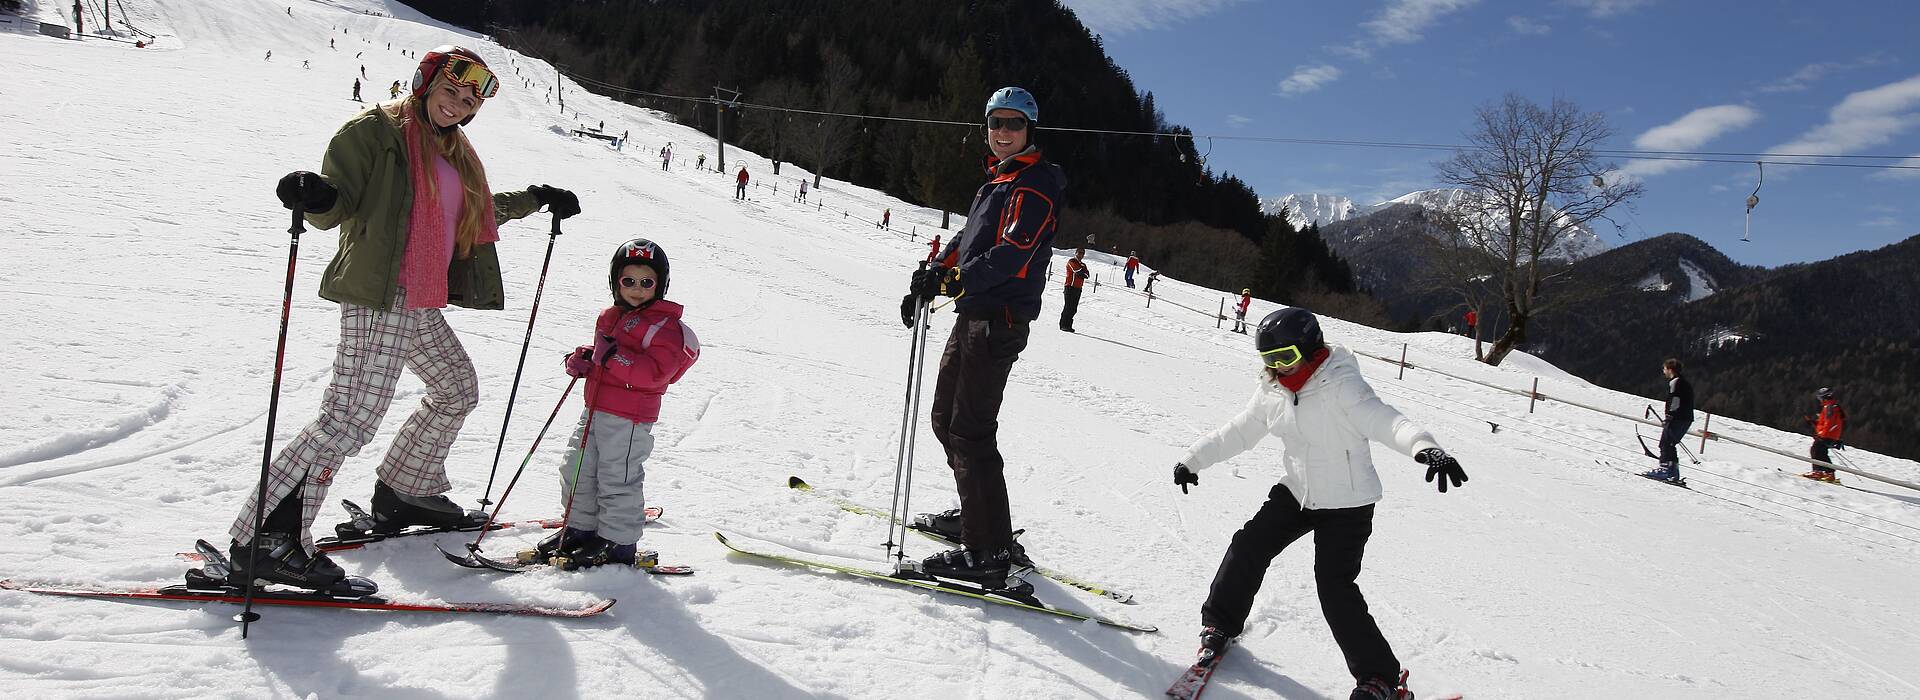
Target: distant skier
{"x":803,"y":191}
{"x":1240,"y":311}
{"x":329,"y":43}
{"x":740,"y":184}
{"x":933,"y":248}
{"x":1152,"y":277}
{"x":997,"y":267}
{"x":417,"y":233}
{"x":1133,"y":263}
{"x":393,"y":91}
{"x":640,"y":347}
{"x":666,"y":155}
{"x":1828,"y":426}
{"x":269,"y":54}
{"x":356,"y":90}
{"x":1312,"y":396}
{"x":701,"y":162}
{"x":886,"y":219}
{"x":1673,"y":429}
{"x":1076,"y":276}
{"x":1473,"y":322}
{"x":363,"y":70}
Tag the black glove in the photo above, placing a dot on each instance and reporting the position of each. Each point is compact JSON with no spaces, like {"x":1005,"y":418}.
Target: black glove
{"x":307,"y":190}
{"x":561,"y":202}
{"x":1443,"y":465}
{"x":1182,"y":477}
{"x":909,"y":308}
{"x":926,"y":282}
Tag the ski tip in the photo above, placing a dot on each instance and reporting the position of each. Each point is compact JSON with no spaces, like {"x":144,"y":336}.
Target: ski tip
{"x":794,"y":482}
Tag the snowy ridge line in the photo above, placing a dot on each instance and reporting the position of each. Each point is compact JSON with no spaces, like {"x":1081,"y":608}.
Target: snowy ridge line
{"x":1514,"y":420}
{"x":1703,"y":433}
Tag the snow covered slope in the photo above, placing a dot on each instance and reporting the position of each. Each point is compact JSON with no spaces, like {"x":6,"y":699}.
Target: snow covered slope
{"x":143,"y":260}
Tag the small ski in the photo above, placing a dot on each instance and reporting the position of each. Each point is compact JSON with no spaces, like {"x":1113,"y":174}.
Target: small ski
{"x":1190,"y":684}
{"x":209,"y":592}
{"x":336,"y":544}
{"x":798,"y":484}
{"x":939,"y":585}
{"x":476,"y":560}
{"x":1680,"y":482}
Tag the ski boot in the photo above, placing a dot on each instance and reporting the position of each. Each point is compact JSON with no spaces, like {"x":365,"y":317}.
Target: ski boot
{"x":282,"y":560}
{"x":562,"y":543}
{"x":1822,"y":475}
{"x":1668,"y":472}
{"x":1213,"y":642}
{"x":601,"y":552}
{"x":394,"y":511}
{"x":945,"y":524}
{"x":990,"y":571}
{"x":1382,"y":688}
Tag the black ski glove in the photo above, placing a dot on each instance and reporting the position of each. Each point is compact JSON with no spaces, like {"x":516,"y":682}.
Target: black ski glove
{"x":1443,"y":465}
{"x":306,"y":189}
{"x":926,"y":282}
{"x":561,"y":202}
{"x":909,"y":308}
{"x":1182,"y":477}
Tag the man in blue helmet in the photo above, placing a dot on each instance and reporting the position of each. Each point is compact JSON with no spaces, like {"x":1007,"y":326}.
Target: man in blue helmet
{"x":997,"y":269}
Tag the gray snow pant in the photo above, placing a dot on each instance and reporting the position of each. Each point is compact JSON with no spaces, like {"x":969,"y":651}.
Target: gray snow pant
{"x":609,"y":496}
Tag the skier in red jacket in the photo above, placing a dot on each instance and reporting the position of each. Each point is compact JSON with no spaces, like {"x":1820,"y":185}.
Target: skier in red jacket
{"x":1827,"y":428}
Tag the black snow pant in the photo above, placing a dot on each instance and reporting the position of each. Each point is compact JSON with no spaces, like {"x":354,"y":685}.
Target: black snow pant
{"x":1068,"y":309}
{"x":1670,"y":437}
{"x":966,"y":419}
{"x":1339,"y":542}
{"x":1820,"y":452}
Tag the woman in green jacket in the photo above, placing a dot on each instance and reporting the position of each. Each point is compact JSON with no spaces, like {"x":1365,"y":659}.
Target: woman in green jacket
{"x":417,"y":226}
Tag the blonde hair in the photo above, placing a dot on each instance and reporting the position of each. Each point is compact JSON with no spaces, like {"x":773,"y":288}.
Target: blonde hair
{"x":451,"y":143}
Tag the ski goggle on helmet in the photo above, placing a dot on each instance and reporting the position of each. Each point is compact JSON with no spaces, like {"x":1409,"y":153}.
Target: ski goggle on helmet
{"x":1281,"y":358}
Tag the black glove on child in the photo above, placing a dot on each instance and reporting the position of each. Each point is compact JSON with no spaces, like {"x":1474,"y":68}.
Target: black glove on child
{"x":561,"y":202}
{"x":1443,"y":465}
{"x":1182,"y":477}
{"x":307,"y":190}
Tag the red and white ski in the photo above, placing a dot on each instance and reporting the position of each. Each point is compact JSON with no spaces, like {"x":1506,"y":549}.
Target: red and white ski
{"x":227,"y":594}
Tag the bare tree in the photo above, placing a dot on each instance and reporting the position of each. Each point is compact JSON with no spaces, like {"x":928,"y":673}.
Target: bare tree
{"x":1530,"y":178}
{"x":839,"y":88}
{"x":1461,"y":262}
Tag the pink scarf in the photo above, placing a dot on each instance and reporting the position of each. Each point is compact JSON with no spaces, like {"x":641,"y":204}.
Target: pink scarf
{"x":430,"y":236}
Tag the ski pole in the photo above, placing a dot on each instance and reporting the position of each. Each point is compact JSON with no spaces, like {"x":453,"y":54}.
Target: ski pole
{"x":903,"y":462}
{"x":491,"y":517}
{"x":521,"y":366}
{"x":586,"y":438}
{"x":247,"y":616}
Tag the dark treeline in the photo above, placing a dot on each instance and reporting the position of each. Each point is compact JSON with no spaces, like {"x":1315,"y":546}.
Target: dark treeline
{"x":930,"y":59}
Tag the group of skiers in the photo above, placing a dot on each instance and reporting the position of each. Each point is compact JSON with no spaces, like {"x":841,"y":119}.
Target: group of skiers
{"x":418,"y":234}
{"x":1828,"y":426}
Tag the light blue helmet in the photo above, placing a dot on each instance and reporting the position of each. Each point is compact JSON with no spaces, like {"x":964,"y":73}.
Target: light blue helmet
{"x":1016,"y":99}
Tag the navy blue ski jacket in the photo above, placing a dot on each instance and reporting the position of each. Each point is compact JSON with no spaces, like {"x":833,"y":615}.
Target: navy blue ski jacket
{"x":1003,"y":253}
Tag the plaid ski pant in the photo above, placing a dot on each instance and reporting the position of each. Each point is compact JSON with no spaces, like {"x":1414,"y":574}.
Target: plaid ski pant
{"x":374,"y":346}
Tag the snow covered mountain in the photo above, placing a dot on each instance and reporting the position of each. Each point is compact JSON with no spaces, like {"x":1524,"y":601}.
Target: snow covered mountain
{"x":1304,"y":209}
{"x":1576,"y":245}
{"x":144,"y":261}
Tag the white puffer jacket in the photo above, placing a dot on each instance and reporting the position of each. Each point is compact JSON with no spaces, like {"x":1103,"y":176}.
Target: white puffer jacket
{"x":1325,"y":429}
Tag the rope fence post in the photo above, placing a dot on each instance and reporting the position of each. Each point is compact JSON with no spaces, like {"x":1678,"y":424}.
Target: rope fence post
{"x":1706,"y":432}
{"x":1220,"y":317}
{"x":1403,"y":361}
{"x":1534,"y":396}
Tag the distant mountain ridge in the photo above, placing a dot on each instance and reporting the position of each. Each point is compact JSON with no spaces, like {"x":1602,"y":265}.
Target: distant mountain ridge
{"x":1327,"y":209}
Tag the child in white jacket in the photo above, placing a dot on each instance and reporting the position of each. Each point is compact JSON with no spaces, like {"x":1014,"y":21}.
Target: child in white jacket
{"x":1313,"y":398}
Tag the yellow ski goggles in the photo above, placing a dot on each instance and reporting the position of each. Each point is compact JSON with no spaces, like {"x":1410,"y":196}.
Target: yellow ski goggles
{"x":1279,"y":358}
{"x":466,"y":71}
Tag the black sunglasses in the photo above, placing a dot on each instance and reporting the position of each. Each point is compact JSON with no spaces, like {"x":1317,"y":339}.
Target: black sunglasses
{"x":643,"y":282}
{"x":1008,"y":123}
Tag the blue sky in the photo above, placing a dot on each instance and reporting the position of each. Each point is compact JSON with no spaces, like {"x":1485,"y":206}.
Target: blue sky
{"x":1700,"y":75}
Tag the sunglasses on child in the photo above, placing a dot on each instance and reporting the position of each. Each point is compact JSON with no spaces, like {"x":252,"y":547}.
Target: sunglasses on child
{"x":641,"y":282}
{"x":1007,"y":123}
{"x":1279,"y":358}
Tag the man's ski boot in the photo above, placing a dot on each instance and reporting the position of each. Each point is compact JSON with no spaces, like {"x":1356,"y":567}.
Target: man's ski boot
{"x":558,"y":544}
{"x":1668,"y":472}
{"x":946,"y":524}
{"x":1822,"y":475}
{"x":992,"y":572}
{"x":1213,"y":643}
{"x":601,"y":552}
{"x":1383,"y":688}
{"x":282,"y":560}
{"x":394,"y":511}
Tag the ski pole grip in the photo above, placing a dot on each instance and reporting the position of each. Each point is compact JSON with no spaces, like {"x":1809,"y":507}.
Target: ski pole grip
{"x":299,"y":225}
{"x":556,"y":225}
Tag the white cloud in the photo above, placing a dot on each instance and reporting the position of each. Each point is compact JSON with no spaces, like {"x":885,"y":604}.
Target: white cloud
{"x":1913,"y":162}
{"x":1401,"y":22}
{"x":1528,"y":26}
{"x":1882,"y":222}
{"x":1307,"y":79}
{"x":1864,"y":119}
{"x":1123,"y":16}
{"x":1608,"y":8}
{"x":1237,"y":121}
{"x":1813,"y":72}
{"x":1687,"y":133}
